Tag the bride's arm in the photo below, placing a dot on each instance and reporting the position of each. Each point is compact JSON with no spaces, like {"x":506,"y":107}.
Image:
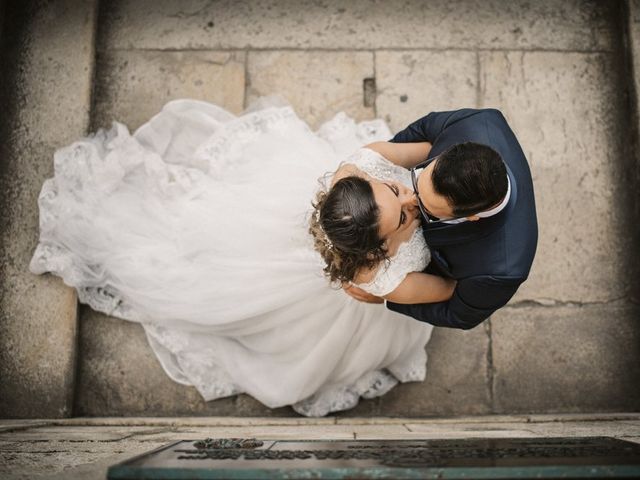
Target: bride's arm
{"x":420,"y":287}
{"x":417,"y":287}
{"x":406,"y":155}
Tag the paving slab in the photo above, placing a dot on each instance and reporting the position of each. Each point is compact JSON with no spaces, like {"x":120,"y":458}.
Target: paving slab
{"x":413,"y":430}
{"x":47,"y":59}
{"x":9,"y":446}
{"x":309,"y":432}
{"x":68,"y":460}
{"x":226,"y":421}
{"x":456,"y":382}
{"x":334,"y":24}
{"x":565,"y":110}
{"x":316,"y":91}
{"x":208,"y":421}
{"x":377,"y":420}
{"x":47,"y":457}
{"x":132,"y":86}
{"x":388,"y":431}
{"x":120,"y":375}
{"x":542,"y":429}
{"x":509,"y":430}
{"x":75,"y":434}
{"x":411,"y":84}
{"x":569,"y":358}
{"x":585,"y":429}
{"x":582,"y":417}
{"x":13,"y":425}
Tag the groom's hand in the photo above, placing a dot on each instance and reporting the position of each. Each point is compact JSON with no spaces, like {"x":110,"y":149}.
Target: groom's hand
{"x":360,"y":294}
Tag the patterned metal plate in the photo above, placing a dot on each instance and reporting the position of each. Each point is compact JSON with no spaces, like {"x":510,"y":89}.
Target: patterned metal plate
{"x":594,"y":457}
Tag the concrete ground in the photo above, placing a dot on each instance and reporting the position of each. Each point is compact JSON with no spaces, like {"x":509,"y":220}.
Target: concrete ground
{"x":84,"y":448}
{"x":561,"y":71}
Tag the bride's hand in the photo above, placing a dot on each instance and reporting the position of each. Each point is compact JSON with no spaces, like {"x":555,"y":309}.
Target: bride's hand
{"x":360,"y":294}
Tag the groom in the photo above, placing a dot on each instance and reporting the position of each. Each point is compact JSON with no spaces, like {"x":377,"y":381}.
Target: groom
{"x":488,"y":250}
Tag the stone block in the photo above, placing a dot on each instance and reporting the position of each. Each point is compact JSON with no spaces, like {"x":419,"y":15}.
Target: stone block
{"x":318,"y":84}
{"x":132,"y":86}
{"x":74,"y":434}
{"x":360,"y":24}
{"x":565,"y":109}
{"x":634,"y":10}
{"x":300,"y":432}
{"x":47,"y":56}
{"x":585,"y":429}
{"x":15,"y":425}
{"x":120,"y":375}
{"x":631,"y":38}
{"x":411,"y":84}
{"x":456,"y":382}
{"x":567,"y":359}
{"x":75,"y":460}
{"x":382,"y":432}
{"x":579,"y":417}
{"x":188,"y":422}
{"x":515,"y":430}
{"x":209,"y":421}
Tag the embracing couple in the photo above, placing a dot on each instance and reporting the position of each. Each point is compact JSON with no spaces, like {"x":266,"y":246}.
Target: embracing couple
{"x":198,"y":227}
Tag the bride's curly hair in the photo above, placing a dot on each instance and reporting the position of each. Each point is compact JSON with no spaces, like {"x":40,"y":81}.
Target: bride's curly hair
{"x":344,"y":226}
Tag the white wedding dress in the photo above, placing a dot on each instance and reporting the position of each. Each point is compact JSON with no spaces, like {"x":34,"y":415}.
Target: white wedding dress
{"x":196,"y":226}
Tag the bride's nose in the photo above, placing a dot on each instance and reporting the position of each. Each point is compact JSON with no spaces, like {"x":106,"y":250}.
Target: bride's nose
{"x":409,"y":199}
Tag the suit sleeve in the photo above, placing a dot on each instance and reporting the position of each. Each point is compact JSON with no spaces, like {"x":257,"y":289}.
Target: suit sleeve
{"x":473,"y":301}
{"x":427,"y":128}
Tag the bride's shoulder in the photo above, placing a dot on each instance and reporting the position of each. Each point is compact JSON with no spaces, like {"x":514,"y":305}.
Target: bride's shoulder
{"x":347,"y":169}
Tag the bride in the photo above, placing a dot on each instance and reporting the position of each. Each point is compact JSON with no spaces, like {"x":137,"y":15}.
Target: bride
{"x":200,"y":227}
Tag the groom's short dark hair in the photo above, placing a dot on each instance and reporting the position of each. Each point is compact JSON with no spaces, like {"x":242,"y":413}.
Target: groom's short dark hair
{"x":472,"y":177}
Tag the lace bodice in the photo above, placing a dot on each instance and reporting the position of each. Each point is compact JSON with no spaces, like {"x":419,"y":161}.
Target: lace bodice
{"x":412,"y":255}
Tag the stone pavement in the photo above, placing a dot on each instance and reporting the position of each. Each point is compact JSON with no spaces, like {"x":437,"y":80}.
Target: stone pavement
{"x":84,"y":448}
{"x":562,"y":72}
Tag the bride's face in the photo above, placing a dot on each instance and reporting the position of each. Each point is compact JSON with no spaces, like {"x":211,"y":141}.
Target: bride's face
{"x":398,"y":207}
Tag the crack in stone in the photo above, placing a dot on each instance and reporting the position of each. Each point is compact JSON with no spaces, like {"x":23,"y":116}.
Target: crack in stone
{"x":552,"y":303}
{"x":181,"y":15}
{"x":479,"y":89}
{"x":490,"y":369}
{"x":138,"y":435}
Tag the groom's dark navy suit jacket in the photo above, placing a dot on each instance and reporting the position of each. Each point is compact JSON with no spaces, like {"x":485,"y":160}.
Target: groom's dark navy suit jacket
{"x":491,"y":257}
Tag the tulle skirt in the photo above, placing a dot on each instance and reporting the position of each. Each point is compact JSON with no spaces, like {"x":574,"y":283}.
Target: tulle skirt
{"x":196,"y":226}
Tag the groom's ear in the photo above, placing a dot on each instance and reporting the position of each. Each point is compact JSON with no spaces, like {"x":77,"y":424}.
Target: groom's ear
{"x":473,"y":218}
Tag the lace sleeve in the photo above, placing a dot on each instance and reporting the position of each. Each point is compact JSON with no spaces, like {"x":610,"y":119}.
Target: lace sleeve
{"x":412,"y":256}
